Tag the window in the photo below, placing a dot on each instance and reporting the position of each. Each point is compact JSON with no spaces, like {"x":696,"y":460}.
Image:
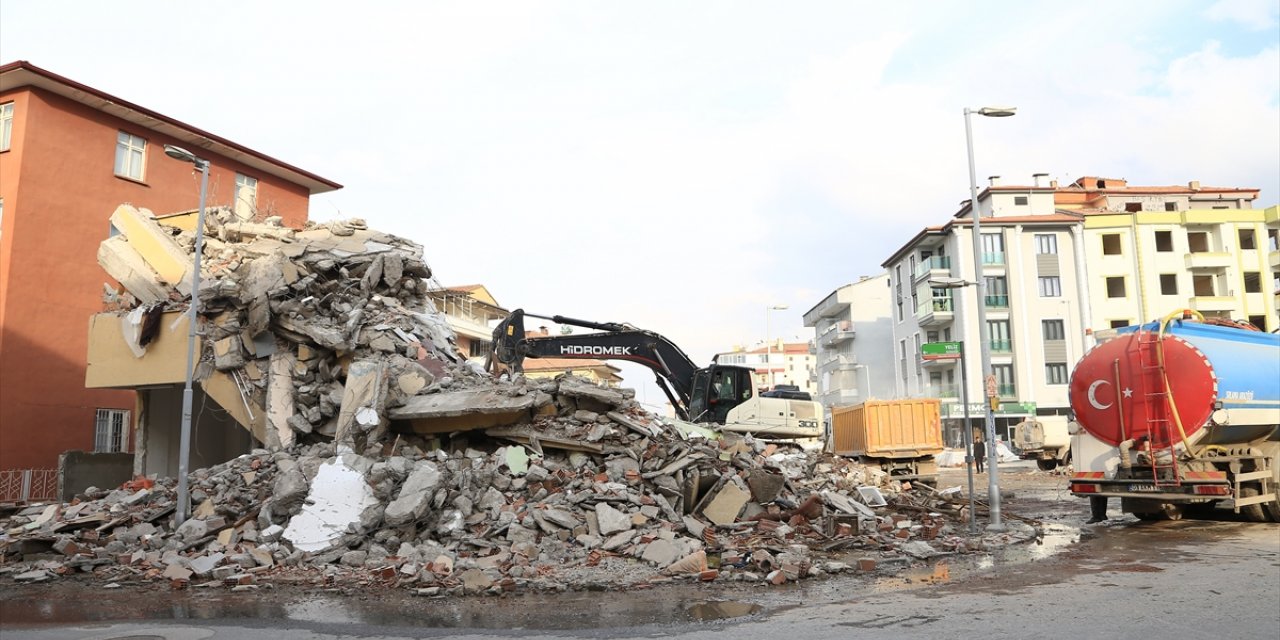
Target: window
{"x":1169,"y":284}
{"x":1020,"y":200}
{"x":1133,"y":207}
{"x":992,"y":248}
{"x":1053,"y":330}
{"x":902,"y":357}
{"x":1116,"y":324}
{"x":998,"y":335}
{"x":109,"y":430}
{"x":1046,"y":243}
{"x":931,"y":336}
{"x":1111,"y":244}
{"x":6,"y":125}
{"x":997,"y":294}
{"x":1170,"y":206}
{"x":1252,"y":282}
{"x":1260,"y":322}
{"x":1004,"y":379}
{"x":915,"y":303}
{"x":480,"y":348}
{"x":1055,"y":373}
{"x":1050,"y":287}
{"x":1164,"y":241}
{"x":1115,"y":287}
{"x":246,"y":197}
{"x":1247,"y":242}
{"x":917,"y":354}
{"x":946,"y":334}
{"x":131,"y":151}
{"x":1198,"y":241}
{"x":1203,"y":286}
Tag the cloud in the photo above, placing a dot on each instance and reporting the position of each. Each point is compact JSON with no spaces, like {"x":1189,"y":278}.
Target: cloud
{"x":1256,"y":15}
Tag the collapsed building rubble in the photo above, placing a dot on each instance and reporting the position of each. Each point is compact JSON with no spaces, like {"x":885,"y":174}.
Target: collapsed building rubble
{"x":386,"y":458}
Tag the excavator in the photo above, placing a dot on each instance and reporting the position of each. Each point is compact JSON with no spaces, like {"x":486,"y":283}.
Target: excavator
{"x":721,"y":394}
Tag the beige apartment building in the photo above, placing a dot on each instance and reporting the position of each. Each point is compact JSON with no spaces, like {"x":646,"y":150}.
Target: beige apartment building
{"x":1152,"y":250}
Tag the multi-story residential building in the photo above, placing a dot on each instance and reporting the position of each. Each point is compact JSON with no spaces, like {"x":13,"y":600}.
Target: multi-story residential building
{"x":853,"y":343}
{"x":69,"y":155}
{"x":1032,"y":273}
{"x":790,"y":363}
{"x":472,"y":313}
{"x":1152,"y":250}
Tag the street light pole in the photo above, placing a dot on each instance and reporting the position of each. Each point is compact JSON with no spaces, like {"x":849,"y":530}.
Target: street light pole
{"x":183,"y":508}
{"x":768,"y":346}
{"x":993,"y":479}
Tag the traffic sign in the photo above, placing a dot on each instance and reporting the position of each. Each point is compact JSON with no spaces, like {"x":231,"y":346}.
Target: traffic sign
{"x":941,"y":351}
{"x":992,"y":389}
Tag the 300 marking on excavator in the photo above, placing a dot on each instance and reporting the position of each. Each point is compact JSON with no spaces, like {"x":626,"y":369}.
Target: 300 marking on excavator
{"x":590,"y":350}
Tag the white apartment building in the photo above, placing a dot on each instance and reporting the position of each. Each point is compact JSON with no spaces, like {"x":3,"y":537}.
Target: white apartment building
{"x":1153,"y":250}
{"x":782,"y":363}
{"x":853,"y":343}
{"x":1036,"y":310}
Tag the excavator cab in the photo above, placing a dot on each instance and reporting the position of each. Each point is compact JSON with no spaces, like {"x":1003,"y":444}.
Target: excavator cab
{"x":718,"y":389}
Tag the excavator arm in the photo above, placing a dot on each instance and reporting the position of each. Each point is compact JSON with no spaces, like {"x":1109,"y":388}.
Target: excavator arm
{"x":673,"y":370}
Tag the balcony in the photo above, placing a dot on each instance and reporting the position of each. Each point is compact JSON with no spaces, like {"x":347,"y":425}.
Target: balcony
{"x":936,"y":311}
{"x":1001,"y":346}
{"x":842,"y":397}
{"x":996,"y":301}
{"x":943,"y":391}
{"x":1207,"y":260}
{"x":837,"y":333}
{"x":993,"y":259}
{"x":840,"y":361}
{"x":1212,"y":303}
{"x":1006,"y":391}
{"x":1273,"y":259}
{"x":935,"y":266}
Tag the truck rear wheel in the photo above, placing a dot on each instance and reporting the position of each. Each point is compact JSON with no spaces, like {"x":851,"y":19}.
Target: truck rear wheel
{"x":1252,"y":512}
{"x":1047,"y":465}
{"x":1272,"y":509}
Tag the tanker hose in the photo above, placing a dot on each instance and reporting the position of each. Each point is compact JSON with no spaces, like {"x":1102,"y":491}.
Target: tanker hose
{"x":1125,"y":462}
{"x":1164,"y":374}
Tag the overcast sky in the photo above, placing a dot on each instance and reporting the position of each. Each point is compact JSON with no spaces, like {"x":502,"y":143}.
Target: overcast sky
{"x":682,"y":165}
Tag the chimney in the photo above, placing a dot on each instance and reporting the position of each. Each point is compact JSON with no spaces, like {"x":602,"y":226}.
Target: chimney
{"x":994,"y":180}
{"x":1039,"y":178}
{"x":1194,"y":184}
{"x":1053,"y":184}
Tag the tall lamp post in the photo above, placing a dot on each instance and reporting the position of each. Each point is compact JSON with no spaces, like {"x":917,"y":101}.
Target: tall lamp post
{"x":768,"y":346}
{"x":184,"y":444}
{"x":993,"y":475}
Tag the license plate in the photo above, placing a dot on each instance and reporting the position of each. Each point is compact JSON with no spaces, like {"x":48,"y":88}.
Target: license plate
{"x":1139,"y":488}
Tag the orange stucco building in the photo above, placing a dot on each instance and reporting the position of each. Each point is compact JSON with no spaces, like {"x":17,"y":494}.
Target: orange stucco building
{"x":69,"y":154}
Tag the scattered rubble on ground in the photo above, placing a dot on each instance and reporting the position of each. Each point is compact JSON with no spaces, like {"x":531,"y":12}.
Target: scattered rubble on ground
{"x":388,"y":459}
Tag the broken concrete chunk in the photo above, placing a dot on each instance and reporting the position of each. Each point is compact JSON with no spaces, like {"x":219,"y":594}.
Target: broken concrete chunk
{"x":728,"y":503}
{"x":611,"y":520}
{"x":415,"y":496}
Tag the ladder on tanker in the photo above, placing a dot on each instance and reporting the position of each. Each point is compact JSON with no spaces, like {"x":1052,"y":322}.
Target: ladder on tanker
{"x":1160,"y":446}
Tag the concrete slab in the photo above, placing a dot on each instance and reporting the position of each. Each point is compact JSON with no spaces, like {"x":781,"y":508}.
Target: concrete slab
{"x":727,"y":504}
{"x":463,"y":410}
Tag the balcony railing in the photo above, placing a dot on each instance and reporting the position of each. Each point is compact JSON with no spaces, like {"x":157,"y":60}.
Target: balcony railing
{"x":1006,"y":390}
{"x":993,"y":257}
{"x":996,"y":302}
{"x":1001,"y":346}
{"x":931,"y":263}
{"x":944,"y":391}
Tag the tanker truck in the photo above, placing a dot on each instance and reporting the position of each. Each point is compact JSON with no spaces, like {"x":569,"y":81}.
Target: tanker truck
{"x":1179,"y":416}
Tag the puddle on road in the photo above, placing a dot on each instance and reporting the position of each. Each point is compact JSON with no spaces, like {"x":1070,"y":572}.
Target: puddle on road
{"x":1055,"y":538}
{"x":534,"y":612}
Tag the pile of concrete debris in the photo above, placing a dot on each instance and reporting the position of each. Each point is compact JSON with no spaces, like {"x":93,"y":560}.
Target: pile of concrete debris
{"x":598,"y":495}
{"x":387,"y":459}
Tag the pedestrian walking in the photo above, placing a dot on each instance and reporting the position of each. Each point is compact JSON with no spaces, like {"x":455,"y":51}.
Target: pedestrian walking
{"x":979,"y":452}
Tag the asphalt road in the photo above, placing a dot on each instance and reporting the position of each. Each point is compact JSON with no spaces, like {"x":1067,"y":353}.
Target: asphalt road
{"x":1124,"y":579}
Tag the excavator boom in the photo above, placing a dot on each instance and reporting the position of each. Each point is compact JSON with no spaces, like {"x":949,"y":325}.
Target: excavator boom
{"x":673,"y":369}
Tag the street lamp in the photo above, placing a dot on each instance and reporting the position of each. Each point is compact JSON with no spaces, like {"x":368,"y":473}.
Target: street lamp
{"x":184,"y":444}
{"x":993,"y":474}
{"x":768,"y":346}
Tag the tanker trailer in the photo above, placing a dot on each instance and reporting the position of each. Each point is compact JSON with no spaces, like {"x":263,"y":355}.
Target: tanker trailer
{"x":1178,"y":416}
